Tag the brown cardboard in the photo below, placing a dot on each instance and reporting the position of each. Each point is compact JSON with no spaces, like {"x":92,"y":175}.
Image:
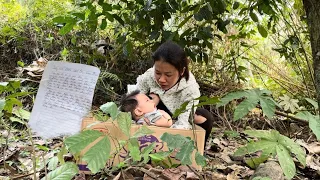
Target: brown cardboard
{"x":114,"y":133}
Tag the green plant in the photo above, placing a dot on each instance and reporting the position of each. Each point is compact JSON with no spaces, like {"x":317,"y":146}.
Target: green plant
{"x":272,"y":143}
{"x":253,"y":97}
{"x":97,"y":155}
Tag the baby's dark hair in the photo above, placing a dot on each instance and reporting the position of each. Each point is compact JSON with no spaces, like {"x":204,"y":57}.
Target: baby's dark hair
{"x":129,"y":103}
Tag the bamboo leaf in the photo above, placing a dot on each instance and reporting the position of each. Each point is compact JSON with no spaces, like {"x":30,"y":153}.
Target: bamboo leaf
{"x":286,"y":162}
{"x":97,"y":155}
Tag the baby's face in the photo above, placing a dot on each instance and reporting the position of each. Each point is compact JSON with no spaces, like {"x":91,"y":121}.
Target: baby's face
{"x":145,"y":104}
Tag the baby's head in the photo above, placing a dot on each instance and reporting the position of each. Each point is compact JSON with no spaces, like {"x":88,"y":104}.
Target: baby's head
{"x":137,"y":104}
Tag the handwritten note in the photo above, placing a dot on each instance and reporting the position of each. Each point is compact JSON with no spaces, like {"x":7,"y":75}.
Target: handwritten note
{"x":63,"y":99}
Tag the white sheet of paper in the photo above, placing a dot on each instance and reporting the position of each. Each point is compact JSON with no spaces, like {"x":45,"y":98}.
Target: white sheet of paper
{"x":63,"y":99}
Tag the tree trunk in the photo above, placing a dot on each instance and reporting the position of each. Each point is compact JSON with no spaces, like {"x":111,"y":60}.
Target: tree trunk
{"x":312,"y":8}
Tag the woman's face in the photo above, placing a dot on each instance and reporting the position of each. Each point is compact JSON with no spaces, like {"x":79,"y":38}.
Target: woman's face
{"x":165,"y":74}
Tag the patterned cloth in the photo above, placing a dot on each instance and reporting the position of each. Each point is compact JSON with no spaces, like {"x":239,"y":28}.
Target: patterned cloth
{"x":151,"y":116}
{"x":173,"y":98}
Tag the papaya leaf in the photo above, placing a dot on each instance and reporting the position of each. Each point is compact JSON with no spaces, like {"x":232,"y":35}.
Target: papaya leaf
{"x":268,"y":106}
{"x":66,"y":171}
{"x":159,"y":156}
{"x":146,"y":151}
{"x":124,"y":122}
{"x":263,"y":134}
{"x":110,"y":108}
{"x":142,"y":131}
{"x":231,"y":96}
{"x":286,"y":162}
{"x":184,"y":155}
{"x":78,"y":142}
{"x":294,"y":148}
{"x":200,"y":160}
{"x":134,"y":151}
{"x":267,"y":147}
{"x":314,"y":122}
{"x":244,"y":108}
{"x":97,"y":155}
{"x":174,"y":141}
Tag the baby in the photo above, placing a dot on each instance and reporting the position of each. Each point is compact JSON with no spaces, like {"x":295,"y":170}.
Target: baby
{"x":143,"y":110}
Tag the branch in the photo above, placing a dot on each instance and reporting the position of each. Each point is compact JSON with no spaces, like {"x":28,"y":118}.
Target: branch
{"x":302,"y":121}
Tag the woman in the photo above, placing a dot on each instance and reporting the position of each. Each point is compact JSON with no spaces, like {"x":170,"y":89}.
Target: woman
{"x":169,"y":83}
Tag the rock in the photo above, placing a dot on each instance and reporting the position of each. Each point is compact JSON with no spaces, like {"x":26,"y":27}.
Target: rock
{"x":269,"y":169}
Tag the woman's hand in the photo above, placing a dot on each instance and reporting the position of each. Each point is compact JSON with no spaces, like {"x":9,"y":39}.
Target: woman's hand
{"x":155,"y":98}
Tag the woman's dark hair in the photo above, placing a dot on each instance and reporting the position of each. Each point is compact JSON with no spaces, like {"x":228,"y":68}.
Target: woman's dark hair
{"x":173,"y":54}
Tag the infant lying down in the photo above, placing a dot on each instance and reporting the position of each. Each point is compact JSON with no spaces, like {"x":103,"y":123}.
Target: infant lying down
{"x":143,"y":110}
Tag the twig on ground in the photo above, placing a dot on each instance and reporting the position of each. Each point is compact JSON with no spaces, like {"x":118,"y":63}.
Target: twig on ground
{"x":195,"y":172}
{"x":150,"y":174}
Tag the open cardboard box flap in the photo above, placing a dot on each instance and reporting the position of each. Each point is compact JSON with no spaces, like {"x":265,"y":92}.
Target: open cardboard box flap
{"x":115,"y":134}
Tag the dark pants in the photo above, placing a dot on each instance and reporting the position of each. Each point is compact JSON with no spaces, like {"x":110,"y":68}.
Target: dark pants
{"x":207,"y":125}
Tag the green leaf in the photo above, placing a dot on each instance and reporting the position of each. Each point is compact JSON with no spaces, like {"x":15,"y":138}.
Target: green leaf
{"x":174,"y":141}
{"x":262,"y":31}
{"x":209,"y":101}
{"x":63,"y":151}
{"x":294,"y":148}
{"x":21,"y":113}
{"x":200,"y":160}
{"x":124,"y":122}
{"x":66,"y":28}
{"x":103,"y":24}
{"x":235,"y":5}
{"x":286,"y":162}
{"x":97,"y":155}
{"x":78,"y":142}
{"x":146,"y":151}
{"x":180,"y":110}
{"x":314,"y":122}
{"x":64,"y":172}
{"x":2,"y":104}
{"x":127,"y":48}
{"x":20,"y":63}
{"x":254,"y":17}
{"x":244,"y":108}
{"x":118,"y":19}
{"x":14,"y":119}
{"x":261,"y":178}
{"x":289,"y":103}
{"x":263,"y":134}
{"x":231,"y":134}
{"x":314,"y":103}
{"x":19,"y":94}
{"x":159,"y":156}
{"x":110,"y":108}
{"x":134,"y":151}
{"x":10,"y":104}
{"x":142,"y":131}
{"x":267,"y":147}
{"x":255,"y":162}
{"x":184,"y":21}
{"x":53,"y":163}
{"x":231,"y":96}
{"x":268,"y":106}
{"x":184,"y":155}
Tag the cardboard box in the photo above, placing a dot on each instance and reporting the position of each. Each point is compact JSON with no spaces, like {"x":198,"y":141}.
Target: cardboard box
{"x":113,"y":130}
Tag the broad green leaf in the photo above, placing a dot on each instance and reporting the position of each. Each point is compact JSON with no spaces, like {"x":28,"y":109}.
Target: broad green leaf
{"x":289,"y":103}
{"x":314,"y":122}
{"x":314,"y":103}
{"x":146,"y":151}
{"x":174,"y":141}
{"x":286,"y":162}
{"x":2,"y":104}
{"x":180,"y":110}
{"x":63,"y":19}
{"x":244,"y":108}
{"x":268,"y":106}
{"x":53,"y":163}
{"x":231,"y":134}
{"x":209,"y":101}
{"x":78,"y":142}
{"x":124,"y":122}
{"x":142,"y":131}
{"x":134,"y":151}
{"x":294,"y":148}
{"x":255,"y":162}
{"x":66,"y":28}
{"x":10,"y":103}
{"x":159,"y":156}
{"x":262,"y":31}
{"x":110,"y":108}
{"x":254,"y":17}
{"x":63,"y":151}
{"x":184,"y":155}
{"x":64,"y":172}
{"x":14,"y":119}
{"x":21,"y":113}
{"x":231,"y":96}
{"x":103,"y":24}
{"x":267,"y":147}
{"x":97,"y":155}
{"x":263,"y":134}
{"x":200,"y":160}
